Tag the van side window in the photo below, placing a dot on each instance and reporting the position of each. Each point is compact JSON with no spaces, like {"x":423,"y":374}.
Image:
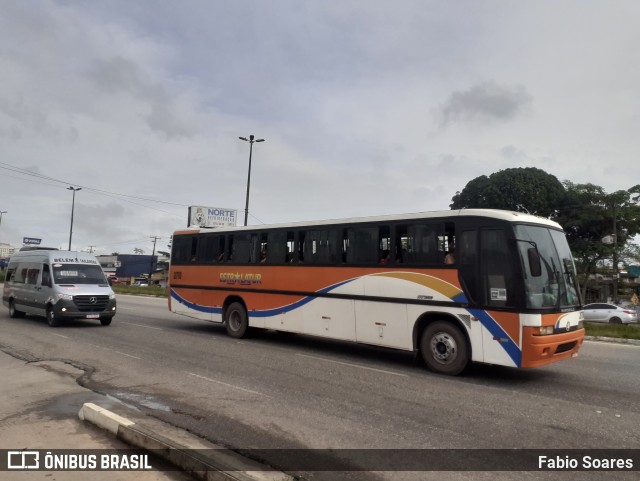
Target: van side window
{"x":46,"y":275}
{"x":32,"y":275}
{"x":10,"y":272}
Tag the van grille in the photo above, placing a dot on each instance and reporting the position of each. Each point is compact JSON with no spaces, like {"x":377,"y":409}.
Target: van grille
{"x":91,"y":303}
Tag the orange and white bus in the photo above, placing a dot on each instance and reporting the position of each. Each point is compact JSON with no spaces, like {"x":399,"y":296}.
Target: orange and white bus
{"x":463,"y":286}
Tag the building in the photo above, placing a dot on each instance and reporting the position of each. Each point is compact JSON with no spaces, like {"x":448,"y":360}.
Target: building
{"x":127,"y":267}
{"x":6,"y":250}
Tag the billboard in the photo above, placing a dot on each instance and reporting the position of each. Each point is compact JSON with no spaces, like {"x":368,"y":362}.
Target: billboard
{"x":200,"y":216}
{"x":31,"y":241}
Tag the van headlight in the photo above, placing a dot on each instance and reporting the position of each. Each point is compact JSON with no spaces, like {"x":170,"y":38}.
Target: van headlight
{"x":112,"y":296}
{"x":65,"y":297}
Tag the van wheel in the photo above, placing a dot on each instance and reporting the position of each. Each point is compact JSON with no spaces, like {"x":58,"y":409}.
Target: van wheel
{"x":105,"y":321}
{"x":51,"y":317}
{"x":444,"y":348}
{"x":236,"y":320}
{"x":13,"y":312}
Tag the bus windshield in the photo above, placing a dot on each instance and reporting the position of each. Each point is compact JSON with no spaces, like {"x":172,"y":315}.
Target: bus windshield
{"x":78,"y":274}
{"x":557,"y":285}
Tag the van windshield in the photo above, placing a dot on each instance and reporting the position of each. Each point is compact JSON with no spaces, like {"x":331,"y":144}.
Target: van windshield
{"x":78,"y":274}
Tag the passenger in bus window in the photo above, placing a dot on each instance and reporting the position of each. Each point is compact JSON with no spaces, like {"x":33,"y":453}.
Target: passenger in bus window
{"x":384,"y":258}
{"x":450,"y":258}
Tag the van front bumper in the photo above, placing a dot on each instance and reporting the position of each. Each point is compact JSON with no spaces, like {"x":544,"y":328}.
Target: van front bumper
{"x":83,"y":309}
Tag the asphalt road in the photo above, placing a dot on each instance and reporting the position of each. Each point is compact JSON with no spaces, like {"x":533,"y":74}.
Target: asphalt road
{"x":278,"y":390}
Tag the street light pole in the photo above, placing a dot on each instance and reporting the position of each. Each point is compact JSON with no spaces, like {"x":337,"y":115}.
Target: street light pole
{"x":2,"y":212}
{"x":251,"y":141}
{"x":73,"y":204}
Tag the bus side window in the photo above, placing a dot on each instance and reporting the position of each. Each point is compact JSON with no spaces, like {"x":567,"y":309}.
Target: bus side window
{"x":321,"y":246}
{"x":467,"y":259}
{"x":497,"y":274}
{"x":278,"y":242}
{"x":362,"y":245}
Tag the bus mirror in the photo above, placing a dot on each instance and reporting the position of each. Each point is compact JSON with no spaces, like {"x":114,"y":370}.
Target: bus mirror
{"x":534,"y":262}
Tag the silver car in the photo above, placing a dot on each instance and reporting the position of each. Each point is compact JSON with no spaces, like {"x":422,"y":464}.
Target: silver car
{"x":601,"y":312}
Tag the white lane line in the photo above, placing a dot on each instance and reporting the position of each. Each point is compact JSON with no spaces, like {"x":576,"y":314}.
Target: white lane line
{"x":353,"y":365}
{"x":117,"y":352}
{"x":141,"y":325}
{"x":225,"y":384}
{"x":59,"y":335}
{"x":128,"y":355}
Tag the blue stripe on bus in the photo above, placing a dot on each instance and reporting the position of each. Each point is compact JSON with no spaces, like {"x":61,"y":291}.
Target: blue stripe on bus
{"x":265,"y":313}
{"x":195,"y":307}
{"x":510,"y":347}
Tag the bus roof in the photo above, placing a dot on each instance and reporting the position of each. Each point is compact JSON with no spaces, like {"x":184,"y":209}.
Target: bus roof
{"x":505,"y":215}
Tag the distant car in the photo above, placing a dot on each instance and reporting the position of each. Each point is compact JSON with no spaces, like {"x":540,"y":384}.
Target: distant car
{"x":113,"y":280}
{"x":600,"y":312}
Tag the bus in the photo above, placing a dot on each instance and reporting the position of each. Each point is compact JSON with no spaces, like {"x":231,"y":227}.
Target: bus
{"x":471,"y":285}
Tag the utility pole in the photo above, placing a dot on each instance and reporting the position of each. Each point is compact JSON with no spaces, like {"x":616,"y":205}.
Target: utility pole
{"x":91,"y":249}
{"x":154,"y":239}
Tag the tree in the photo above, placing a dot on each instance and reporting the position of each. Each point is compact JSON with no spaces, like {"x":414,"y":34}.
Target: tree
{"x":138,"y":251}
{"x":519,"y":189}
{"x":588,"y":214}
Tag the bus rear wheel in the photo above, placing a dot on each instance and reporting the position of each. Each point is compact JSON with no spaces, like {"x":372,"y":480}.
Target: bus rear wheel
{"x":444,"y":348}
{"x":236,"y":320}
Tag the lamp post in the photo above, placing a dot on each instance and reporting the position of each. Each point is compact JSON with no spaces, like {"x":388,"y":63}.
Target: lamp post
{"x":2,"y":212}
{"x":251,"y":140}
{"x":73,"y":204}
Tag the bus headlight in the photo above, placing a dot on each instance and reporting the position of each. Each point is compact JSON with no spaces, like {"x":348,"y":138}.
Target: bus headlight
{"x":545,"y":330}
{"x":65,"y":297}
{"x":580,"y":324}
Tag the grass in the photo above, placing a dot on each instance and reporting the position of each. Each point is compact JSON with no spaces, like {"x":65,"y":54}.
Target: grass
{"x":154,"y":291}
{"x":623,"y":331}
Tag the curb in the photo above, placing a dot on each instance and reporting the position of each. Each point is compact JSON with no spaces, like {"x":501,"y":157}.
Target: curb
{"x":207,"y":464}
{"x":615,"y":340}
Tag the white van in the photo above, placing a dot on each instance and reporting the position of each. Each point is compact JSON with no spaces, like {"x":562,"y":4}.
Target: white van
{"x":58,"y":285}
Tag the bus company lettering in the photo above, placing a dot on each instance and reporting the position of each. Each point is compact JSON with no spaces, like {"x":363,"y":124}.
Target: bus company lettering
{"x":66,"y":260}
{"x":240,"y":278}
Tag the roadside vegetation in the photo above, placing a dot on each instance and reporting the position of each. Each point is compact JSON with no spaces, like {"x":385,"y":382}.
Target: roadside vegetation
{"x":155,"y":291}
{"x":622,"y":331}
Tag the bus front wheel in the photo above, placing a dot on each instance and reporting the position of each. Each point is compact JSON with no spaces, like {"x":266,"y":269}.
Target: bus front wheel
{"x":444,"y":348}
{"x":236,"y":320}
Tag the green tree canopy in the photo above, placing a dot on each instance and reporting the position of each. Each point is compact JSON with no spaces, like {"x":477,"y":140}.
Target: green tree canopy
{"x":589,"y":214}
{"x":519,"y":189}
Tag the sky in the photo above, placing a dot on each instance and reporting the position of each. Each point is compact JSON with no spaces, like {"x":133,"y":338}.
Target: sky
{"x":367,"y":107}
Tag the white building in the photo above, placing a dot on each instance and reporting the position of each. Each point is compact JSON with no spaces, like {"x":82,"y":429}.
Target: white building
{"x":6,"y":250}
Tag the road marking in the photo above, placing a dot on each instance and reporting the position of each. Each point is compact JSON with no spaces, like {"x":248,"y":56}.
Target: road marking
{"x":142,"y":325}
{"x":225,"y":384}
{"x":59,"y":335}
{"x":353,"y":365}
{"x":128,"y":355}
{"x":117,"y":352}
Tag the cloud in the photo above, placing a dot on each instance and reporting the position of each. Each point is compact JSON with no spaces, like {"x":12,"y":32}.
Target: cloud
{"x":485,"y":101}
